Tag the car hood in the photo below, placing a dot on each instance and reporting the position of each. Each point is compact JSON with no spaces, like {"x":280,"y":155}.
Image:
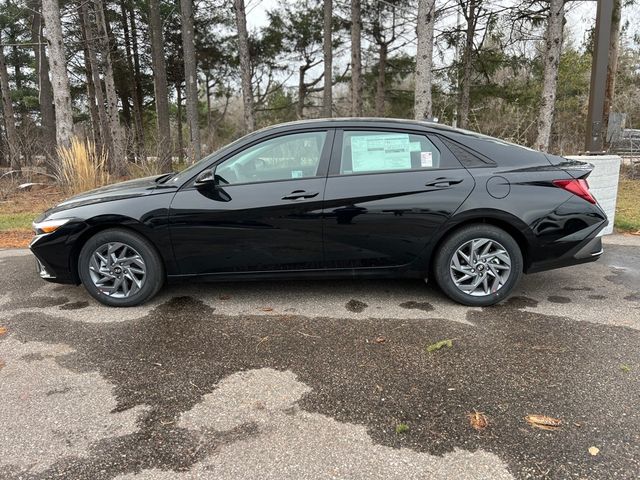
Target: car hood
{"x":117,"y":191}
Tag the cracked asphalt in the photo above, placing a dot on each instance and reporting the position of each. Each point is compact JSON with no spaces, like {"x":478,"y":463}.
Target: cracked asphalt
{"x":297,"y":380}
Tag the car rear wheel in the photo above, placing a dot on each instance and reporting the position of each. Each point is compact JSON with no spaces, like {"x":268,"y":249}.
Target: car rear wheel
{"x":120,"y":268}
{"x":478,"y":265}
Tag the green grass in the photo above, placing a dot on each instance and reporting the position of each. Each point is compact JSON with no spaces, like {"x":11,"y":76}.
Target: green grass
{"x":434,"y":347}
{"x":16,"y":221}
{"x":402,"y":428}
{"x":628,"y":206}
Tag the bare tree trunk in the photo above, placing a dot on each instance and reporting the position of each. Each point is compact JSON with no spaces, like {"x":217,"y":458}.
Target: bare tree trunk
{"x":328,"y":58}
{"x":118,"y":159}
{"x":94,"y":84}
{"x":380,"y":84}
{"x":471,"y":16}
{"x":136,"y":59}
{"x":191,"y":79}
{"x":245,"y":65}
{"x":160,"y":85}
{"x":60,"y":79}
{"x":207,"y":89}
{"x":612,"y":68}
{"x":179,"y":119}
{"x":552,"y":51}
{"x":45,"y":92}
{"x":302,"y":92}
{"x":91,"y":89}
{"x":422,"y":108}
{"x":356,"y":59}
{"x":13,"y":142}
{"x":137,"y":112}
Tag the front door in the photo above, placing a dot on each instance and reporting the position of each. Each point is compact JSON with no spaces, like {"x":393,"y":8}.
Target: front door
{"x":387,"y":193}
{"x":263,"y":214}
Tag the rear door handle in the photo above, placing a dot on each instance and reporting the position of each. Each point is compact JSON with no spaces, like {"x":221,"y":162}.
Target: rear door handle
{"x":443,"y":182}
{"x":296,"y":194}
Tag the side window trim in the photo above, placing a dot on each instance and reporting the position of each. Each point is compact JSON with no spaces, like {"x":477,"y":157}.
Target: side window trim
{"x":336,"y":154}
{"x":321,"y":171}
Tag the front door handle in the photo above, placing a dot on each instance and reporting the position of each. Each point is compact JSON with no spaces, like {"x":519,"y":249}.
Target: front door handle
{"x":296,"y":194}
{"x":442,"y":182}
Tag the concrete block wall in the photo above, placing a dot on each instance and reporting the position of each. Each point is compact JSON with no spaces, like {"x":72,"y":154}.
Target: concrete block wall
{"x":603,"y":183}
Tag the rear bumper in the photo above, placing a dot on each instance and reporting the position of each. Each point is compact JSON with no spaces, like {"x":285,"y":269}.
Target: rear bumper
{"x":587,"y":251}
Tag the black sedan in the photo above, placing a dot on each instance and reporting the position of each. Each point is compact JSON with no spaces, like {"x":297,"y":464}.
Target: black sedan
{"x":332,"y":199}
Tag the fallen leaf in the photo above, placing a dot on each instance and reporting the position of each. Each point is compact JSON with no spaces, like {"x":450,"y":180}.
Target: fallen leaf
{"x":381,"y":340}
{"x":1,"y":364}
{"x":438,"y":345}
{"x":543,"y":422}
{"x":224,"y":297}
{"x":267,"y":309}
{"x":478,"y":420}
{"x":3,"y":330}
{"x":594,"y":451}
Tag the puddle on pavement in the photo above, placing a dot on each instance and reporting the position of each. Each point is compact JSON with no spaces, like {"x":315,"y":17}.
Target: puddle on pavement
{"x":413,"y":305}
{"x":356,"y":306}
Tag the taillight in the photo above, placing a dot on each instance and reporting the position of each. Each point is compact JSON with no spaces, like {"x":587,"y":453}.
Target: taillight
{"x":578,"y":187}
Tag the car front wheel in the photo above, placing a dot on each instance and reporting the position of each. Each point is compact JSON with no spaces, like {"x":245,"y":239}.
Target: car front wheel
{"x":120,"y":268}
{"x":478,"y":265}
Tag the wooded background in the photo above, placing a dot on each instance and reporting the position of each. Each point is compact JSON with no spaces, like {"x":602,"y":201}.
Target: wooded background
{"x":160,"y":83}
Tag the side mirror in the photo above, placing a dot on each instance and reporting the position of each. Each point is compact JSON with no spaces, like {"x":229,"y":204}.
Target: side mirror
{"x":207,"y":177}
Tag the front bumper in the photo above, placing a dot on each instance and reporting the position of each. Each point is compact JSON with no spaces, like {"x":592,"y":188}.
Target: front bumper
{"x":54,"y":253}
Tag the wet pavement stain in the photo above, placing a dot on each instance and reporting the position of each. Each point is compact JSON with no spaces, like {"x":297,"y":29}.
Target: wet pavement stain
{"x":558,"y":299}
{"x":35,"y":301}
{"x":596,"y":297}
{"x":355,"y":306}
{"x":510,"y":364}
{"x":413,"y":305}
{"x":74,"y":305}
{"x":518,"y":302}
{"x":634,"y":297}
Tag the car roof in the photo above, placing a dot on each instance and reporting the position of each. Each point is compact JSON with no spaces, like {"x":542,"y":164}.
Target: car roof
{"x":357,"y":121}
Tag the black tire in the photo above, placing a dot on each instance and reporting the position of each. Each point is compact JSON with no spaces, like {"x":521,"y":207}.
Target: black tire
{"x":154,"y":275}
{"x":457,"y":239}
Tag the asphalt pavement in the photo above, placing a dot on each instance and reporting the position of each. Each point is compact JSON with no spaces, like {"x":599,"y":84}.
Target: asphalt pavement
{"x":323,"y":379}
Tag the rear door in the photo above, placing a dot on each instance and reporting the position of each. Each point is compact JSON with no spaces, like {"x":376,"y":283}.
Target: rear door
{"x":387,"y":193}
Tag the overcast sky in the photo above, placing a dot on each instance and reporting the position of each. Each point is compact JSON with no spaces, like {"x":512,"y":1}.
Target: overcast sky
{"x":580,"y":17}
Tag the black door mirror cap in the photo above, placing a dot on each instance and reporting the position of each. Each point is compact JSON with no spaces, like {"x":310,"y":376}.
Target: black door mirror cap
{"x":206,"y":177}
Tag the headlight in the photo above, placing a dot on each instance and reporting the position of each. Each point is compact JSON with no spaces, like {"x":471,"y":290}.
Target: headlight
{"x":49,"y":226}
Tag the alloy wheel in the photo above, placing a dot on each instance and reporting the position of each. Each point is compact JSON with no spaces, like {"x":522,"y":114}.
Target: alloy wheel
{"x":480,"y":267}
{"x":117,"y":270}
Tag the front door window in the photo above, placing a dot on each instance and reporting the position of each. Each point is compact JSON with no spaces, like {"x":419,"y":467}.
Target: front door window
{"x":283,"y":158}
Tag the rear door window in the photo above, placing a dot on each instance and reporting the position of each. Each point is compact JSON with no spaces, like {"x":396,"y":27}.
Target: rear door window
{"x":371,"y":151}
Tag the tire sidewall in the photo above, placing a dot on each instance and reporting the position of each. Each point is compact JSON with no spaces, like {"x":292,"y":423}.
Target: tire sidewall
{"x":155,"y":271}
{"x":455,"y":241}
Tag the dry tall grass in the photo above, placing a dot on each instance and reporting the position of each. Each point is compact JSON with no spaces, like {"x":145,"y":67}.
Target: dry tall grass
{"x":81,"y":167}
{"x":145,"y":167}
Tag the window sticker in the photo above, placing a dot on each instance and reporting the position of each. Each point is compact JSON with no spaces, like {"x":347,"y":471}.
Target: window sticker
{"x":380,"y":152}
{"x":297,"y":174}
{"x":426,"y":159}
